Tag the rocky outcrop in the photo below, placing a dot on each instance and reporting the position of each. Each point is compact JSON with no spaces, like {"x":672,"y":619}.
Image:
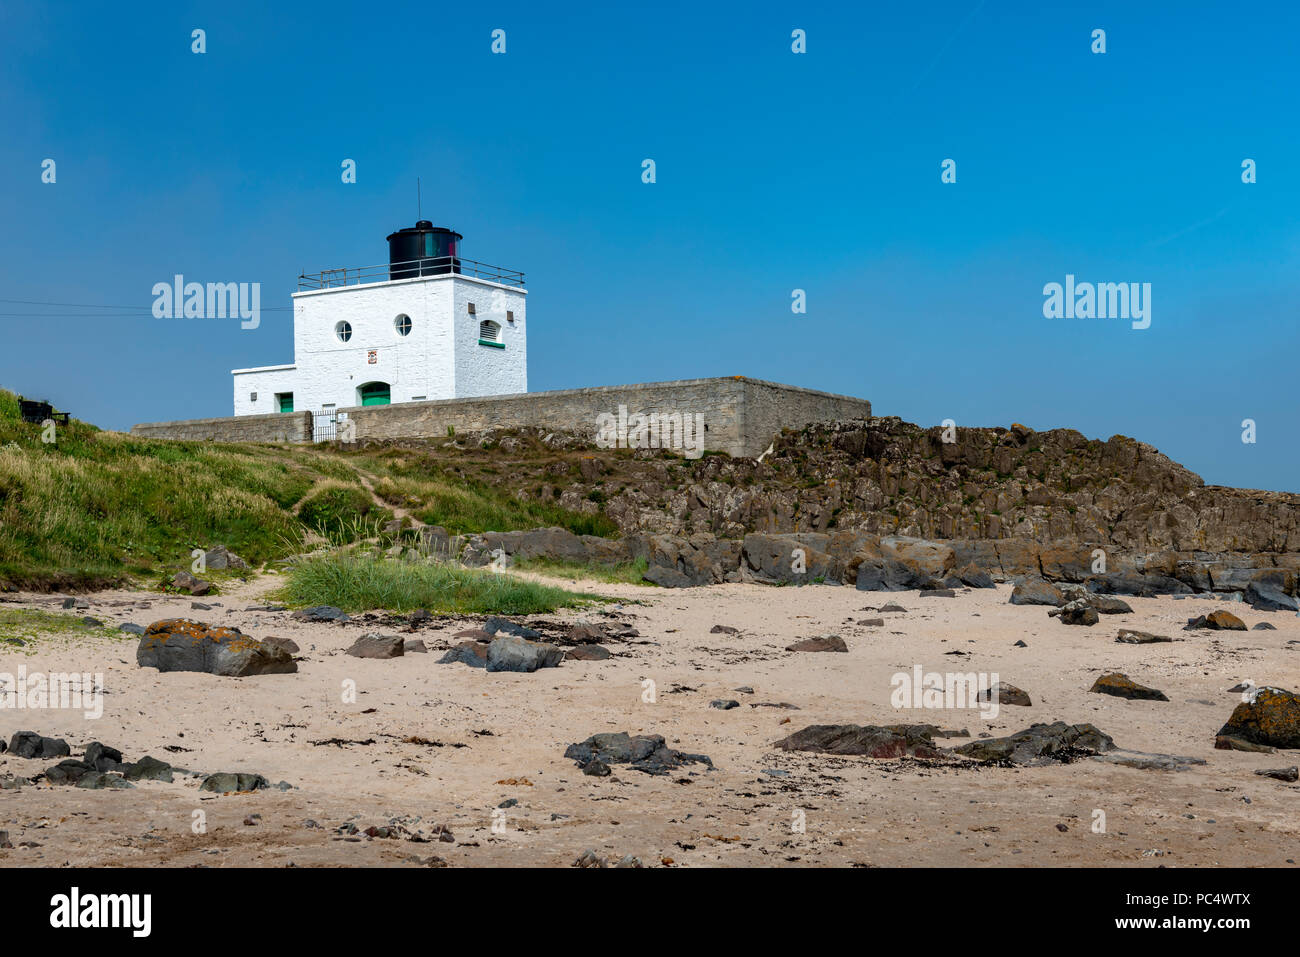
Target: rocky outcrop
{"x":1040,"y":744}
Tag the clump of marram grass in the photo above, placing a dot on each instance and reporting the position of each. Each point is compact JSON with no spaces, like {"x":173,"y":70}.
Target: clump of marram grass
{"x":357,"y":580}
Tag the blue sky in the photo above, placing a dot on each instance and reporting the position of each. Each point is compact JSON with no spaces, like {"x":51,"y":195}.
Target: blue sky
{"x":775,"y":171}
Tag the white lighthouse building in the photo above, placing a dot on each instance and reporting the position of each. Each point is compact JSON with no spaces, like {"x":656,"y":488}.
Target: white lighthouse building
{"x":427,"y":325}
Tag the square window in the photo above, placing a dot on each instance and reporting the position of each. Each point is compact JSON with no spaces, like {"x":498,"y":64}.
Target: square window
{"x":510,"y":316}
{"x":471,"y":309}
{"x":252,"y":397}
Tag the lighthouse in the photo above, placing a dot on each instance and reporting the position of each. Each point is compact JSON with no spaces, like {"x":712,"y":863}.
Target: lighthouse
{"x":428,"y":324}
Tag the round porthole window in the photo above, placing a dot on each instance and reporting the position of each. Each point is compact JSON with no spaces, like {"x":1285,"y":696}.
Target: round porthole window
{"x":403,"y":324}
{"x":344,"y":331}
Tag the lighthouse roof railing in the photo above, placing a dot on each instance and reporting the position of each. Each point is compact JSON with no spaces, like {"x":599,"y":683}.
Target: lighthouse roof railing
{"x":413,"y":269}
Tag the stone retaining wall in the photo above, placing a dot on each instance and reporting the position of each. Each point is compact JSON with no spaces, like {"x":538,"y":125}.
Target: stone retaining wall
{"x":277,"y":427}
{"x":740,"y":415}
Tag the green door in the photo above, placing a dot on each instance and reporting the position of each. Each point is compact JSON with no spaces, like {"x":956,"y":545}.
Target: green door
{"x":375,"y":393}
{"x":286,"y":401}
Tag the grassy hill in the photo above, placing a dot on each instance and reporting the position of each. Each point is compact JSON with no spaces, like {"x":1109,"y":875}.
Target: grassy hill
{"x":95,"y":508}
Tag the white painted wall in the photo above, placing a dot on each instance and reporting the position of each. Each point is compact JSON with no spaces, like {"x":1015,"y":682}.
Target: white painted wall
{"x":486,"y":370}
{"x":441,"y":358}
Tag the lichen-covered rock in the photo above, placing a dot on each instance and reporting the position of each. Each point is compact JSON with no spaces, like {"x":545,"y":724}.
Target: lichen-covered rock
{"x":1216,"y":620}
{"x":1272,"y":719}
{"x":1078,"y":612}
{"x":179,"y":644}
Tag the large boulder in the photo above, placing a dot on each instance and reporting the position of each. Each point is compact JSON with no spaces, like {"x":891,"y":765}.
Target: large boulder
{"x":29,"y":744}
{"x":519,"y":654}
{"x":793,"y":559}
{"x":378,"y":646}
{"x":924,"y":558}
{"x":472,"y":653}
{"x":1272,"y":718}
{"x":1216,"y":621}
{"x":179,"y":644}
{"x":674,"y":562}
{"x":1036,"y":591}
{"x":886,"y":574}
{"x":1263,"y":596}
{"x":220,"y":558}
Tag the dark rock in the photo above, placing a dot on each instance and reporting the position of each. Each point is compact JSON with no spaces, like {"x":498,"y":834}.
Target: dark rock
{"x":131,"y":629}
{"x":1148,"y":762}
{"x":179,"y":644}
{"x":820,"y":643}
{"x":892,"y":608}
{"x":199,"y":606}
{"x":1290,"y":775}
{"x":472,"y":653}
{"x":885,"y":574}
{"x":378,"y":646}
{"x":1036,"y":591}
{"x":587,"y":653}
{"x":103,"y":758}
{"x":937,"y":593}
{"x":1078,"y":612}
{"x":1006,"y":694}
{"x":99,"y":780}
{"x":1283,"y":774}
{"x":1128,"y":636}
{"x":92,"y":622}
{"x":723,"y":630}
{"x":1272,"y":719}
{"x":149,"y":769}
{"x":220,"y":559}
{"x":187,"y":583}
{"x":519,"y":654}
{"x":415,"y":647}
{"x":1226,"y":742}
{"x":29,"y":744}
{"x":1040,"y":744}
{"x":975,"y":577}
{"x":596,"y":768}
{"x":321,"y":613}
{"x":68,"y":772}
{"x":866,"y":740}
{"x":503,"y":626}
{"x":1263,"y":596}
{"x":288,"y":645}
{"x":644,"y":752}
{"x":724,"y":704}
{"x":1122,"y":686}
{"x":1264,"y":626}
{"x":228,"y":782}
{"x":420,"y":615}
{"x":1106,"y":605}
{"x":585,"y":633}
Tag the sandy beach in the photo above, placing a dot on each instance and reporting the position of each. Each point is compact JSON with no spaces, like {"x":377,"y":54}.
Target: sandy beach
{"x":444,"y":744}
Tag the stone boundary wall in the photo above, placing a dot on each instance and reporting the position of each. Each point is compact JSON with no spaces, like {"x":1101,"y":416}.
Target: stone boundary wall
{"x":741,"y":415}
{"x":276,"y":427}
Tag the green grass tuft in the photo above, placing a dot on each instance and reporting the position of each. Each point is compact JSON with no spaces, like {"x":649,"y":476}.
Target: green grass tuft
{"x":365,"y":582}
